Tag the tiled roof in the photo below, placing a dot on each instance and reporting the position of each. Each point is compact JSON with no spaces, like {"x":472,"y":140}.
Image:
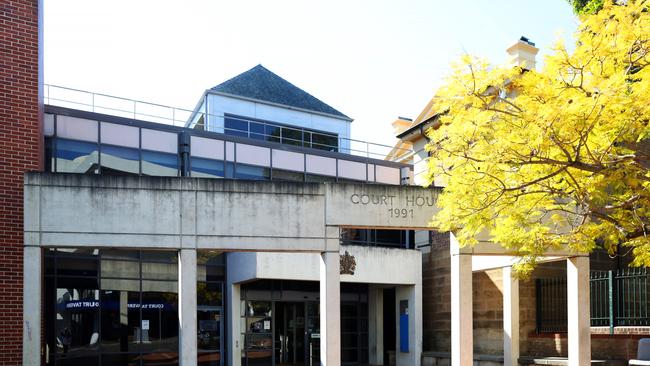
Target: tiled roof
{"x":262,"y":84}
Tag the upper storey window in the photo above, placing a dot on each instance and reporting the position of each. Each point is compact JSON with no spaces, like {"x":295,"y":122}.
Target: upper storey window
{"x":274,"y":132}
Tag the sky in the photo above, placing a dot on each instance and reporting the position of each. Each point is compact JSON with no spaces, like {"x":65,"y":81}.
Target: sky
{"x":373,"y":60}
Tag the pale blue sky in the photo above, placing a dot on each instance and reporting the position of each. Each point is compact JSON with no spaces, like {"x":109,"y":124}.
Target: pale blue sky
{"x":372,"y":60}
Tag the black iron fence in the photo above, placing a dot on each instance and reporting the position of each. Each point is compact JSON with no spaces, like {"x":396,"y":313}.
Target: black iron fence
{"x":618,"y":298}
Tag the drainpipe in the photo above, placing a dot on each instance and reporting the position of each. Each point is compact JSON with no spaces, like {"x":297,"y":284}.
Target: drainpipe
{"x":184,"y":149}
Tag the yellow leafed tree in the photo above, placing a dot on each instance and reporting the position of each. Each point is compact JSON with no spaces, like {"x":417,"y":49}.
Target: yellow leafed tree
{"x":559,"y":156}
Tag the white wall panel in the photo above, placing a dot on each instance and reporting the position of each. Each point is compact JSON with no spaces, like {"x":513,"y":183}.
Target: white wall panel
{"x":207,"y":148}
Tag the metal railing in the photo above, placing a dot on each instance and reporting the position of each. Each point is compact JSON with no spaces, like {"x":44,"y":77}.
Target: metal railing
{"x":618,"y":298}
{"x":151,"y":112}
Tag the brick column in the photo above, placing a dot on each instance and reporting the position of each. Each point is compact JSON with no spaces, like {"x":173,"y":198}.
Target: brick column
{"x":21,"y":149}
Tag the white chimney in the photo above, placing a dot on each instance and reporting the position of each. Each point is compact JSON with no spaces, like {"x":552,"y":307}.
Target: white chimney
{"x":522,"y":53}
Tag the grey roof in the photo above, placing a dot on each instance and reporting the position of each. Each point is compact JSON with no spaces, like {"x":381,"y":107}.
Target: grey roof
{"x":262,"y":84}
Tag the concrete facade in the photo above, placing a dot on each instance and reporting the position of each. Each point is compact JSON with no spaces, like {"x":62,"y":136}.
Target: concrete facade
{"x":192,"y":214}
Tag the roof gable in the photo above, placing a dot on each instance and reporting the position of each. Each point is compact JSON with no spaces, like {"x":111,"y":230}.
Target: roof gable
{"x":262,"y":84}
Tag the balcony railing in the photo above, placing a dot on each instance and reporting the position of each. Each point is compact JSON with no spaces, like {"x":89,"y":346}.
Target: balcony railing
{"x":157,"y":113}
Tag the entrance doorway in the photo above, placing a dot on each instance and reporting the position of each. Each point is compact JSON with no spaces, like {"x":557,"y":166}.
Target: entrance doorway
{"x":290,"y":334}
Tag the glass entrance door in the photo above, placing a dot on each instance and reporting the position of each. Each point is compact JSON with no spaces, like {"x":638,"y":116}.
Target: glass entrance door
{"x":290,"y":334}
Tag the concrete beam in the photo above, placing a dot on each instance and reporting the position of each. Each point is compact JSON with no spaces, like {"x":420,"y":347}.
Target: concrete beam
{"x":578,"y":311}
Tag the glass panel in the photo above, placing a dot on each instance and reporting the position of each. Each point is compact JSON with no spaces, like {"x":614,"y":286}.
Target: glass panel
{"x":214,"y":258}
{"x":76,"y":157}
{"x":306,"y":135}
{"x":159,"y":325}
{"x":210,"y":358}
{"x":206,"y":168}
{"x":209,"y":329}
{"x":272,"y":133}
{"x":159,"y":271}
{"x":349,"y":325}
{"x":76,"y":266}
{"x":286,"y":175}
{"x":258,"y":308}
{"x":348,"y":310}
{"x":349,"y":355}
{"x":120,"y":269}
{"x":291,"y":136}
{"x":77,"y":317}
{"x":120,"y":160}
{"x":236,"y":127}
{"x":250,"y":172}
{"x":209,"y":294}
{"x":49,"y":157}
{"x":390,"y":237}
{"x":160,"y":256}
{"x":159,"y":164}
{"x":120,"y":319}
{"x":324,"y":142}
{"x":257,"y":131}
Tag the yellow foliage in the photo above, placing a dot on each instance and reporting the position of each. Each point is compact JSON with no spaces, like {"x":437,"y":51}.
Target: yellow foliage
{"x":556,"y":157}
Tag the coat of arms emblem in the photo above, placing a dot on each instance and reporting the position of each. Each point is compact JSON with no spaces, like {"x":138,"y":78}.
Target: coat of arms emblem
{"x":348,"y":263}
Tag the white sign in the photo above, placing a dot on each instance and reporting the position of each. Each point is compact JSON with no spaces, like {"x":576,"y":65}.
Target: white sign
{"x":145,"y":324}
{"x":267,"y":325}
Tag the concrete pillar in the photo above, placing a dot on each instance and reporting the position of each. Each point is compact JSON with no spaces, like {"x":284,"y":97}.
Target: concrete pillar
{"x":187,"y":307}
{"x":233,"y":293}
{"x":330,"y":309}
{"x":376,"y":325}
{"x":462,"y":342}
{"x":510,"y":318}
{"x":32,"y":301}
{"x":578,"y":311}
{"x":412,"y":294}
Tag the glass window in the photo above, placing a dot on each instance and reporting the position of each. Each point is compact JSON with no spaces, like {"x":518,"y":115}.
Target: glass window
{"x":76,"y":157}
{"x":120,"y":160}
{"x":291,"y":136}
{"x":113,"y":313}
{"x":272,"y":133}
{"x":77,"y":317}
{"x":159,"y":164}
{"x":324,"y":141}
{"x":287,"y":175}
{"x":257,"y":131}
{"x":236,"y":127}
{"x":250,"y":172}
{"x":49,"y":154}
{"x":206,"y":168}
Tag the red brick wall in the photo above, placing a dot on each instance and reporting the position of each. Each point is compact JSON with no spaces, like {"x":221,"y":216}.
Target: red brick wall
{"x":20,"y":151}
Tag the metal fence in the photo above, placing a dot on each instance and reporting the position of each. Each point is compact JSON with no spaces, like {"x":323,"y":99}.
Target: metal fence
{"x":618,"y":298}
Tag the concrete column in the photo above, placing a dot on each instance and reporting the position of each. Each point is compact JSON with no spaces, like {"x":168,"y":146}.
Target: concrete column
{"x":187,"y":307}
{"x":510,"y":318}
{"x":376,"y":325}
{"x":32,"y":301}
{"x":578,"y":311}
{"x":412,"y":294}
{"x":330,"y":309}
{"x":462,"y":342}
{"x":233,"y":293}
